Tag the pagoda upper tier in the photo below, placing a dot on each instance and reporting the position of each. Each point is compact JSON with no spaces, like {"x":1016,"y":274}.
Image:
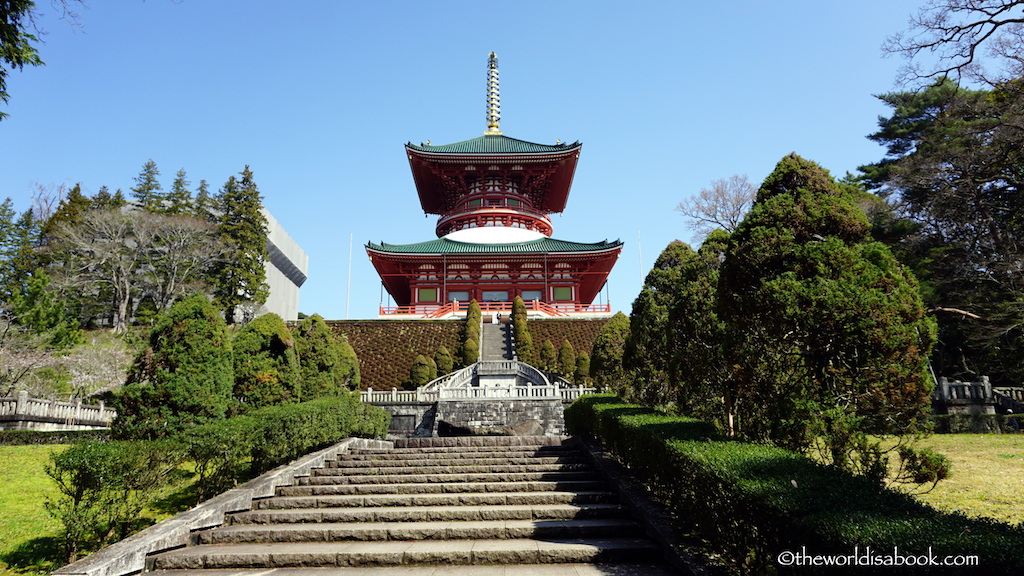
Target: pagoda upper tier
{"x":493,"y":180}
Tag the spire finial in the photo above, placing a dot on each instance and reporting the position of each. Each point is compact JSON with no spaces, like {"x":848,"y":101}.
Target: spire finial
{"x":493,"y":97}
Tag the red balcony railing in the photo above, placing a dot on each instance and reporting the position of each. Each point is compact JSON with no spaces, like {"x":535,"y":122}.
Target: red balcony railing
{"x":459,"y":308}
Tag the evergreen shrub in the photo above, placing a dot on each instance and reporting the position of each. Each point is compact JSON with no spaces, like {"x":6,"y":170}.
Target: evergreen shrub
{"x":182,"y":378}
{"x":288,"y":431}
{"x":751,"y":502}
{"x":102,"y":488}
{"x":266,"y":369}
{"x":327,"y":364}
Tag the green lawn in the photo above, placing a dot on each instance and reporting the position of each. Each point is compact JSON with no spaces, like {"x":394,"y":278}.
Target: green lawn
{"x":27,"y":533}
{"x":988,"y":475}
{"x":24,"y":488}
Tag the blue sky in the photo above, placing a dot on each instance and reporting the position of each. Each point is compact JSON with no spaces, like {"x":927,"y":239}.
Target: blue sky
{"x":318,"y":98}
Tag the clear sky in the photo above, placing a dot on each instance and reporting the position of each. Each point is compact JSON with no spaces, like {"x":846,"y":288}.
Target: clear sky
{"x":318,"y":98}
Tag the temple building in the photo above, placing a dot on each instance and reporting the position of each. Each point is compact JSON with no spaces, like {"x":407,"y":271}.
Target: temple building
{"x":493,"y":196}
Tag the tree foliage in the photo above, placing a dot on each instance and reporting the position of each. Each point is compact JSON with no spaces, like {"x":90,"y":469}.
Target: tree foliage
{"x":327,"y":364}
{"x":953,"y":173}
{"x":266,"y":368}
{"x":697,"y":368}
{"x":183,"y":377}
{"x":826,"y":330}
{"x":241,"y":277}
{"x":606,"y":355}
{"x":646,"y":347}
{"x":422,"y":372}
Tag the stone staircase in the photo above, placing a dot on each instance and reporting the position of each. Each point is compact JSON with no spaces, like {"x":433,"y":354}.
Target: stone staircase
{"x":470,"y":505}
{"x":496,"y":342}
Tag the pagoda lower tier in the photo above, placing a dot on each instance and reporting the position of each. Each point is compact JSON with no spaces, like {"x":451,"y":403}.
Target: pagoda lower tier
{"x":436,"y":275}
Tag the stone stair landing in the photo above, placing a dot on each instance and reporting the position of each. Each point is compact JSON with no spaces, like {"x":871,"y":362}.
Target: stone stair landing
{"x":505,"y":505}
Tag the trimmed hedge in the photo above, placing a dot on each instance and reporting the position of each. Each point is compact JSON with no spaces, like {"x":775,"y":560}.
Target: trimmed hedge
{"x":34,"y":437}
{"x":752,"y":502}
{"x":225,"y":451}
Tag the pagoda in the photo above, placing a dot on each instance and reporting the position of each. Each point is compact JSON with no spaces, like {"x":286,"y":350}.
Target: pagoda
{"x":493,"y":196}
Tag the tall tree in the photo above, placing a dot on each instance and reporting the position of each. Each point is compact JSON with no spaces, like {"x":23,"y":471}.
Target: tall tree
{"x":148,"y":192}
{"x":826,"y":329}
{"x":646,"y":348}
{"x":179,"y":199}
{"x":606,"y":354}
{"x":697,"y":368}
{"x":241,"y":278}
{"x":954,"y":173}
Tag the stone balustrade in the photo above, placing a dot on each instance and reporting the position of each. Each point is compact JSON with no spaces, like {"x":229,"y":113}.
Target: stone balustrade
{"x":24,"y":413}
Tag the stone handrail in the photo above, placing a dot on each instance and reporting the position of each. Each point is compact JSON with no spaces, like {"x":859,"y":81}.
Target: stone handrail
{"x":23,"y":408}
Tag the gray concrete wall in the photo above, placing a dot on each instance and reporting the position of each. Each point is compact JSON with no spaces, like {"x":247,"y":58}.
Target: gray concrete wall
{"x":287,"y":269}
{"x":518,"y":416}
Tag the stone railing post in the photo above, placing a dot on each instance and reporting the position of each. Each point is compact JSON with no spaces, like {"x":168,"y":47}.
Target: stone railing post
{"x":21,"y":408}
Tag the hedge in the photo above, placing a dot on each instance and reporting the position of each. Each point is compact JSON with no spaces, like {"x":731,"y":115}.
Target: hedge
{"x":224,"y":451}
{"x":23,"y":437}
{"x":752,"y":502}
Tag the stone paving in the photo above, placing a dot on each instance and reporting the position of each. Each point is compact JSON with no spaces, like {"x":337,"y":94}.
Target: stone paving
{"x":532,"y":508}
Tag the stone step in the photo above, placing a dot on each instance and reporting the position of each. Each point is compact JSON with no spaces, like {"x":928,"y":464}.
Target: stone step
{"x":444,"y":461}
{"x":483,"y":441}
{"x":495,"y":498}
{"x":463,"y":452}
{"x":419,"y":488}
{"x":452,"y":469}
{"x":625,"y":569}
{"x":437,"y":530}
{"x":445,"y":477}
{"x":430,"y":513}
{"x":406,"y":553}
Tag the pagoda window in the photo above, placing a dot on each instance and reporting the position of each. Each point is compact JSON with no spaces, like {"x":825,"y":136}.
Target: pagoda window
{"x":473,"y":203}
{"x":495,"y":295}
{"x":561,"y":293}
{"x":460,"y":295}
{"x":531,"y":295}
{"x":426,"y":294}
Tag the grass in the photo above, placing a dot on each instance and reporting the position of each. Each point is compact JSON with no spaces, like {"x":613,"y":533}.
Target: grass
{"x":987,"y":478}
{"x":28,"y":535}
{"x":25,"y":488}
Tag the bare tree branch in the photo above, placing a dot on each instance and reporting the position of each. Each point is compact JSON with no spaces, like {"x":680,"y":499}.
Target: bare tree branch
{"x":953,"y":34}
{"x":722,"y":206}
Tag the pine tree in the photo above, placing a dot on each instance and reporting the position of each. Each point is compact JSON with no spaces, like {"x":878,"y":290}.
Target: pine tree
{"x":179,"y":200}
{"x":204,"y":206}
{"x":241,"y":278}
{"x":147,"y":190}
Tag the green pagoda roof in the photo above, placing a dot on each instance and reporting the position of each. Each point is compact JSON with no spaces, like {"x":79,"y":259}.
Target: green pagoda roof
{"x":493,"y":144}
{"x":538,"y":246}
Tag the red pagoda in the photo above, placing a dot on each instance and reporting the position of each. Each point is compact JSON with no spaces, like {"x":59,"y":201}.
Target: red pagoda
{"x":493,"y":196}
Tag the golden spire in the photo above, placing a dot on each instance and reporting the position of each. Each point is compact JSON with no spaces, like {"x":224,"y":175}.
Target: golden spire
{"x":493,"y":98}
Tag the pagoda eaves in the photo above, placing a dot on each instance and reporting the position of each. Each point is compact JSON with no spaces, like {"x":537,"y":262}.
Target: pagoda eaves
{"x":443,"y":174}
